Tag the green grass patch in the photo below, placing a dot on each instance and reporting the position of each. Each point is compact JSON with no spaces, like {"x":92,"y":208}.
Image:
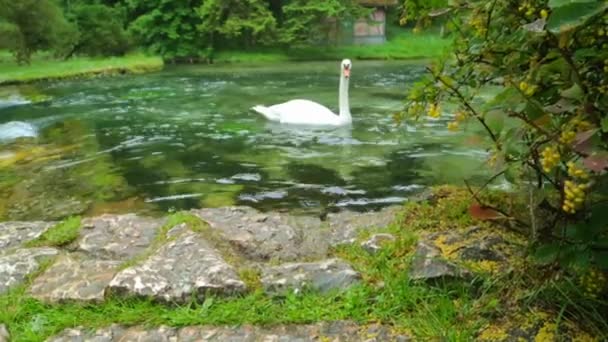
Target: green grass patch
{"x":404,"y":45}
{"x":60,"y":234}
{"x":46,"y":68}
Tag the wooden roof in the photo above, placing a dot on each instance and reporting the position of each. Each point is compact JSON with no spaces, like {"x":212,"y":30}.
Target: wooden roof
{"x":378,"y":3}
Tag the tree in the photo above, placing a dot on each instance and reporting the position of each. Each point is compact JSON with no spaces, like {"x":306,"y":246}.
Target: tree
{"x":549,"y":123}
{"x":101,"y":29}
{"x":28,"y":26}
{"x":169,"y":28}
{"x":246,"y":21}
{"x":306,"y":21}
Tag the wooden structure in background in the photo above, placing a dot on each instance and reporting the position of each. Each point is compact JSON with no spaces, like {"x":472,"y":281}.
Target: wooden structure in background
{"x":372,"y":30}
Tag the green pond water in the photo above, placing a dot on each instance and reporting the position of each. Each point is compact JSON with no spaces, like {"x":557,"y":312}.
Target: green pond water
{"x":185,"y":138}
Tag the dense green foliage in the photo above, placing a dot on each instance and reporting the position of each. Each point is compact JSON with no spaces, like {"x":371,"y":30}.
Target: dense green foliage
{"x":548,"y":124}
{"x":101,"y":29}
{"x":177,"y":30}
{"x":31,"y":25}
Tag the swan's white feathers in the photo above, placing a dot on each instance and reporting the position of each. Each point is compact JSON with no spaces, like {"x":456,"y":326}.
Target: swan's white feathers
{"x":305,"y":112}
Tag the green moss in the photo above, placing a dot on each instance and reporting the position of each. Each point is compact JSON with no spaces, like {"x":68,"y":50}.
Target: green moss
{"x":251,"y":277}
{"x":60,"y":234}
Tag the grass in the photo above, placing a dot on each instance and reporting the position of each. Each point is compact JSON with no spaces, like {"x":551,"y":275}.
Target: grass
{"x":46,"y":68}
{"x":486,"y":306}
{"x":60,"y":234}
{"x":404,"y":45}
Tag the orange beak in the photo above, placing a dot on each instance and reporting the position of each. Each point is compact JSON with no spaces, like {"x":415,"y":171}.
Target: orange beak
{"x":347,"y":72}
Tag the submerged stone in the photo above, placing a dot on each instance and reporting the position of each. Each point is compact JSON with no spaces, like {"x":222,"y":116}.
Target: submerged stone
{"x":343,"y":331}
{"x":13,"y":234}
{"x":428,"y":264}
{"x":322,"y":276}
{"x":16,"y":266}
{"x":71,"y":279}
{"x":183,"y":268}
{"x":117,"y":237}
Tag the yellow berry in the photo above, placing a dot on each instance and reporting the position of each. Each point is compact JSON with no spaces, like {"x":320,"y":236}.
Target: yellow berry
{"x":434,"y":111}
{"x":544,"y":14}
{"x":523,"y":85}
{"x":453,"y":126}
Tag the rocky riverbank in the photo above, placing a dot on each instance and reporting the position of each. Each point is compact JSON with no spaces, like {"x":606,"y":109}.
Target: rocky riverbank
{"x":351,"y":262}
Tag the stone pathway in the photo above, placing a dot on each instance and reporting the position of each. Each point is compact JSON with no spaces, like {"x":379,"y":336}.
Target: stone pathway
{"x":124,"y":255}
{"x":116,"y":255}
{"x":321,"y":332}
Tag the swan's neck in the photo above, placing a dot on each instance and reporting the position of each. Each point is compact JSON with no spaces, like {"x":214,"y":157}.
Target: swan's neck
{"x":344,"y":105}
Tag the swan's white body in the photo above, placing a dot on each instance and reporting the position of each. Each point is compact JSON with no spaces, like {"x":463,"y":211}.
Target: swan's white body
{"x":305,"y":112}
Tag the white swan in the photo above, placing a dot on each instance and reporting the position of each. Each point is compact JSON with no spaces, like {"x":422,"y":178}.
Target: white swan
{"x":304,"y":112}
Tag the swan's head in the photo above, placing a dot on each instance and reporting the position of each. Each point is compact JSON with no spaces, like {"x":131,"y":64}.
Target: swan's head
{"x":347,"y":65}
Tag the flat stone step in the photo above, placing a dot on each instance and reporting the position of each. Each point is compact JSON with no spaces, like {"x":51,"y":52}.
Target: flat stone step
{"x":262,"y":237}
{"x":73,"y":279}
{"x":185,"y":267}
{"x":322,"y":276}
{"x":16,"y":266}
{"x":15,"y":234}
{"x":342,"y":331}
{"x":117,"y":237}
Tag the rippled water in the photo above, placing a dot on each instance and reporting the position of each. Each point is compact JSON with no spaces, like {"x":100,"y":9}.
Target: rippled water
{"x":185,"y":137}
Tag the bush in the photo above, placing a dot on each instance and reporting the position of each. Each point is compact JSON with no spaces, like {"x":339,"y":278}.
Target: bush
{"x":549,"y":123}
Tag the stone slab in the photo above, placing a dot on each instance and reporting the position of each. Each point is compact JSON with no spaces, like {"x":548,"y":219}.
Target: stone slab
{"x":14,"y":234}
{"x":342,"y":331}
{"x":117,"y":237}
{"x":16,"y":266}
{"x":322,"y":276}
{"x":185,"y":267}
{"x":72,"y":279}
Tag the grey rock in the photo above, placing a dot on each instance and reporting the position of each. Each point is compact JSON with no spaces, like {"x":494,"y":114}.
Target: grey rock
{"x":13,"y":234}
{"x":261,"y":237}
{"x":321,"y":276}
{"x":112,"y":333}
{"x":4,"y":335}
{"x":374,"y":244}
{"x":117,"y":237}
{"x":283,"y":237}
{"x":185,"y":267}
{"x":345,"y":226}
{"x":479,"y":253}
{"x":428,"y":264}
{"x":15,"y":267}
{"x":342,"y":331}
{"x":70,"y":279}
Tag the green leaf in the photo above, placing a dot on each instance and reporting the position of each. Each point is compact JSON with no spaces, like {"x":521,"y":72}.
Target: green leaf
{"x":553,"y":4}
{"x":576,"y":257}
{"x":546,"y":254}
{"x":575,"y":92}
{"x":599,"y":217}
{"x":605,"y":124}
{"x":507,"y":99}
{"x":495,"y":120}
{"x":601,"y":259}
{"x":567,"y":15}
{"x":513,"y":173}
